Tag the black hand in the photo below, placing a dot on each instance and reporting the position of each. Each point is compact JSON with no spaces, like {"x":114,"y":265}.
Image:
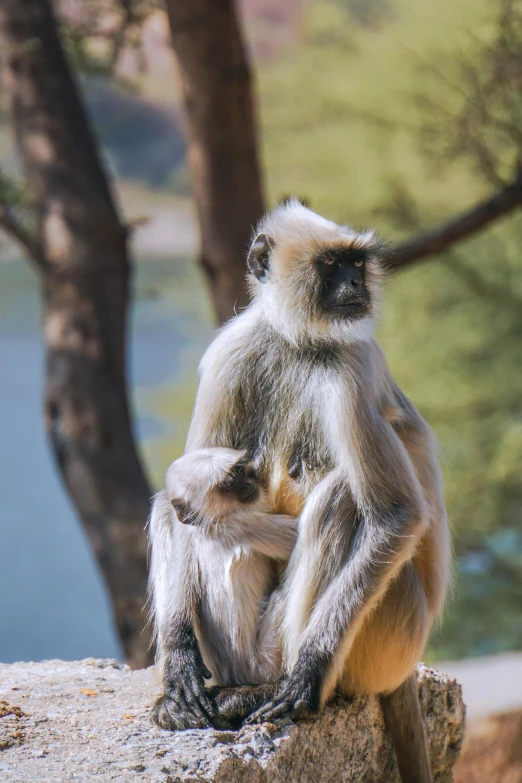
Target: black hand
{"x":299,"y":695}
{"x":186,"y":704}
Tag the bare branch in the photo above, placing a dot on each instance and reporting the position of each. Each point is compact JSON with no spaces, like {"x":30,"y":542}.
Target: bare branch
{"x":443,"y":237}
{"x":119,"y":35}
{"x":15,"y":230}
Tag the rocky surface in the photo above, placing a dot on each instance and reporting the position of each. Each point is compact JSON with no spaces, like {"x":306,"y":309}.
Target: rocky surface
{"x":88,"y":721}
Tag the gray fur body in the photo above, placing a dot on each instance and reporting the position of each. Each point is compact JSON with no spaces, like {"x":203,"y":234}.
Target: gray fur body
{"x":298,"y":381}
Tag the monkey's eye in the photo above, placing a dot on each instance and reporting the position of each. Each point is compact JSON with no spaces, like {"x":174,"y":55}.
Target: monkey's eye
{"x":239,"y":468}
{"x":358,"y":263}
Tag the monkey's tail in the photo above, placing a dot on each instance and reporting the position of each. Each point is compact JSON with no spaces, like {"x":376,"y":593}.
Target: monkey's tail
{"x":403,"y":718}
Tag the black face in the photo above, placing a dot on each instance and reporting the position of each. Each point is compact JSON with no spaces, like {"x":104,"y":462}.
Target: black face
{"x":242,"y":482}
{"x":342,"y":272}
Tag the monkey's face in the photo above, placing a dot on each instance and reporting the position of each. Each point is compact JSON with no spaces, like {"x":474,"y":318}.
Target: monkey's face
{"x":319,"y":279}
{"x":240,"y":484}
{"x":341,"y":290}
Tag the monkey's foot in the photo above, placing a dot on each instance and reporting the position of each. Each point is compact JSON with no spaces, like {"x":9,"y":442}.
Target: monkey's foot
{"x":283,"y":709}
{"x":231,"y":704}
{"x":294,"y":699}
{"x":168,"y":713}
{"x":186,"y":703}
{"x":235,"y":703}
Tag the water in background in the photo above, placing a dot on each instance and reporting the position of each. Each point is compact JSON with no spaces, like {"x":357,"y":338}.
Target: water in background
{"x":52,"y":600}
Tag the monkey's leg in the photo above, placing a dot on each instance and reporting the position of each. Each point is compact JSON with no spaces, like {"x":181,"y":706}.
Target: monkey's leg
{"x":403,"y":720}
{"x":341,"y":568}
{"x":326,"y":532}
{"x":237,"y":702}
{"x":383,"y":655}
{"x":184,"y":704}
{"x":391,"y":641}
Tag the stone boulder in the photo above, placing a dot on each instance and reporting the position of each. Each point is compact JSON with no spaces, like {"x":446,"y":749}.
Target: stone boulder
{"x":88,"y":721}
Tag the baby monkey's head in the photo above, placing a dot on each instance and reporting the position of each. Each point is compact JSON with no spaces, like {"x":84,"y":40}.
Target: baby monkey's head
{"x":206,"y":485}
{"x":240,"y":483}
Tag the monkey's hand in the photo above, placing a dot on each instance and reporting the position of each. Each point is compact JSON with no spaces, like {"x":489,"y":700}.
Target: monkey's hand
{"x":186,"y":704}
{"x":299,"y":696}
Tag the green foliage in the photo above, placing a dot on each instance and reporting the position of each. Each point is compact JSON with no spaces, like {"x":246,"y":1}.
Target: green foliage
{"x":339,"y":117}
{"x":12,"y":192}
{"x":369,"y":13}
{"x":479,"y":117}
{"x":364,"y":123}
{"x":95,"y":32}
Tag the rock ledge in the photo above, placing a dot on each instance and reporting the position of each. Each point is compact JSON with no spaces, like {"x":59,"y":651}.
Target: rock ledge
{"x":87,"y":721}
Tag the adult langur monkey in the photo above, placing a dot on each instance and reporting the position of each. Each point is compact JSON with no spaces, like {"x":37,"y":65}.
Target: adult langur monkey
{"x":298,"y":381}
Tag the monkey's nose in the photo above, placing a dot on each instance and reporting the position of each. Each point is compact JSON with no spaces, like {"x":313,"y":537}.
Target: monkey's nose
{"x":355,"y":282}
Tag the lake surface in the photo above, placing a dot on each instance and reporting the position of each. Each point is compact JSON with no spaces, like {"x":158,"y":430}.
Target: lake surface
{"x":52,"y":600}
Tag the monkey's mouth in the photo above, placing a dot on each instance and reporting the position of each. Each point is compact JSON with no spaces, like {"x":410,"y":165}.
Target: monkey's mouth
{"x":350,"y":310}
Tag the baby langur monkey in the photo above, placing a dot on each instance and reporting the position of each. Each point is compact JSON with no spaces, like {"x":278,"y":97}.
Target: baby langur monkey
{"x":216,"y":495}
{"x":217,"y":490}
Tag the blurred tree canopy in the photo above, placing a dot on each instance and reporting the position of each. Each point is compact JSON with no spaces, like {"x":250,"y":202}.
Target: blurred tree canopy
{"x":407,"y":124}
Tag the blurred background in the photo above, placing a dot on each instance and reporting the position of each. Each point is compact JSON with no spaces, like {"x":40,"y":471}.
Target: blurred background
{"x":139,"y":142}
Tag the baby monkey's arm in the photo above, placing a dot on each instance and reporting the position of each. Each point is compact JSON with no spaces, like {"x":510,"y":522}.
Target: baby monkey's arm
{"x":273,"y":535}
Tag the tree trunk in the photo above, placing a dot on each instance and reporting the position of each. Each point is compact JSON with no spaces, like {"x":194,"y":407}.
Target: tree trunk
{"x":85,"y":282}
{"x":221,"y":133}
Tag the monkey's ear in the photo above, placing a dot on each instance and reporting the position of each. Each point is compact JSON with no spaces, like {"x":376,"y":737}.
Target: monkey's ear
{"x":184,"y":512}
{"x":258,"y":260}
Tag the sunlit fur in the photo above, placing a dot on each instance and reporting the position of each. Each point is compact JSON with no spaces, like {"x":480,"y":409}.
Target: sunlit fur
{"x":368,"y":574}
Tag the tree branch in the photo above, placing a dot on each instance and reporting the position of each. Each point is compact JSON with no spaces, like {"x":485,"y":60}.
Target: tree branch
{"x":15,"y":230}
{"x":441,"y":238}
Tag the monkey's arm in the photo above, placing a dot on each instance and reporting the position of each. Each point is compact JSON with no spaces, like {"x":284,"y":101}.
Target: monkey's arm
{"x":185,"y":704}
{"x":269,"y":534}
{"x":219,"y":413}
{"x":374,"y":492}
